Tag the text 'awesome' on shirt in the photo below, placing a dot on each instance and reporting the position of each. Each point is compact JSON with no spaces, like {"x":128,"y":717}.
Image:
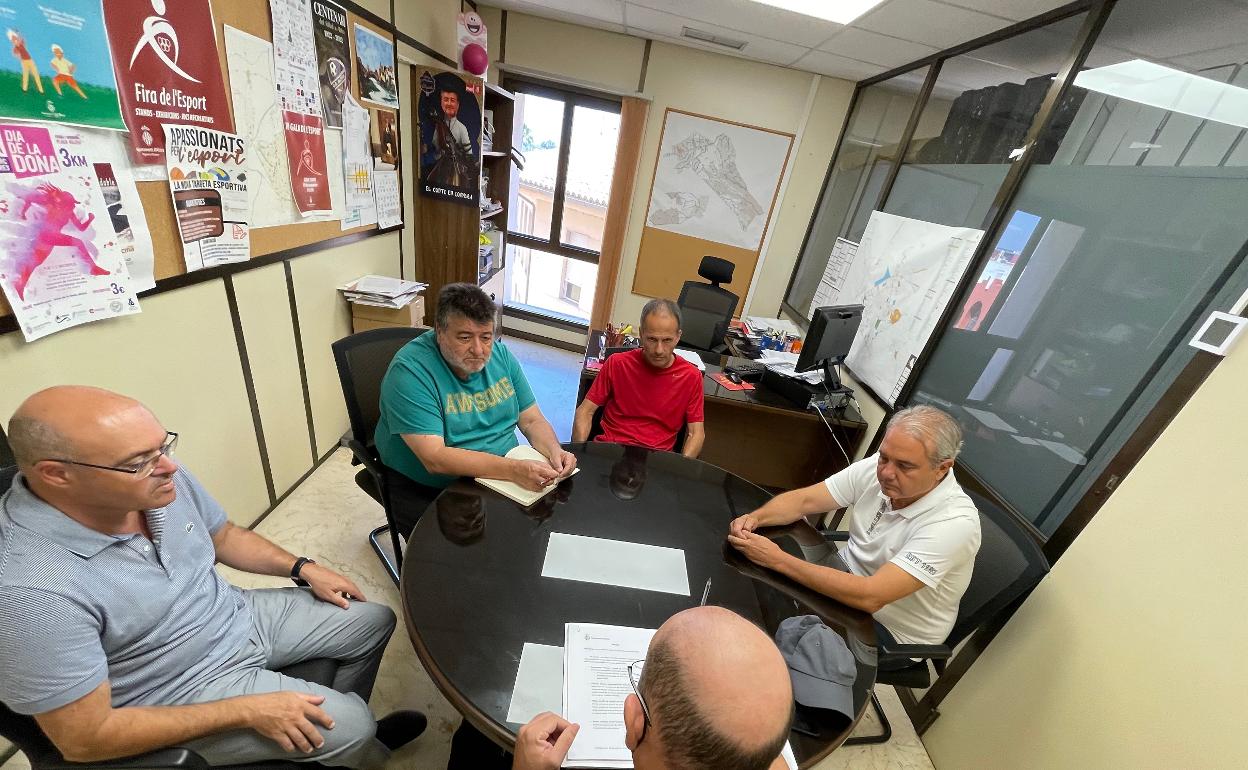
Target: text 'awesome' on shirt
{"x":420,"y":395}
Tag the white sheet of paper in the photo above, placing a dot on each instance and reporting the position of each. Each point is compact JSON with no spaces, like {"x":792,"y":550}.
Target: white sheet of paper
{"x":616,"y":563}
{"x":989,"y":419}
{"x":790,"y":761}
{"x":596,"y":660}
{"x":539,"y":683}
{"x":692,"y":358}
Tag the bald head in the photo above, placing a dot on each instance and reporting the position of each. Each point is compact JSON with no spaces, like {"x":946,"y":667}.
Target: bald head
{"x":718,"y":691}
{"x":68,"y":420}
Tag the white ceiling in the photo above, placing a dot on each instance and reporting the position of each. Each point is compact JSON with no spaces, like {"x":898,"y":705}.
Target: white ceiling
{"x":894,"y":33}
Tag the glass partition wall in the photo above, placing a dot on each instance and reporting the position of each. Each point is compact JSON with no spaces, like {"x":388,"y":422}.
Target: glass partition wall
{"x":1105,"y":247}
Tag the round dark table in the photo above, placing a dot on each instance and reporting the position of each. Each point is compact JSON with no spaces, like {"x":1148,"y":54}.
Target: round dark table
{"x":473,"y":592}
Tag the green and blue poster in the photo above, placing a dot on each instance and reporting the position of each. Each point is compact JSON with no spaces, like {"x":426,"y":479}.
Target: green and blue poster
{"x":58,"y":68}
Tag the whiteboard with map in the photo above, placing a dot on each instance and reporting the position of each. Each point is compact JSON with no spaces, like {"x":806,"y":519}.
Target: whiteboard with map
{"x":716,"y":180}
{"x":904,"y":275}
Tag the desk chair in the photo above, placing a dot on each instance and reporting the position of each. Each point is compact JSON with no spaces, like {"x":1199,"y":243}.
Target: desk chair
{"x":707,"y":308}
{"x":362,"y":360}
{"x":1009,"y":564}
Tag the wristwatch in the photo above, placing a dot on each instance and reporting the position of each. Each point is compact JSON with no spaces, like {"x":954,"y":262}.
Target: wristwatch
{"x":295,"y":570}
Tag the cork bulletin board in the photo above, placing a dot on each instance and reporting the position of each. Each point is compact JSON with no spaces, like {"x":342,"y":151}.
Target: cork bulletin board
{"x":251,"y":16}
{"x":713,"y":193}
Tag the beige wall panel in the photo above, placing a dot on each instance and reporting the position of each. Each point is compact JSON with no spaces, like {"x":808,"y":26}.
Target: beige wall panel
{"x":793,"y":212}
{"x":325,"y":317}
{"x":379,"y":7}
{"x":575,"y":52}
{"x":716,"y":86}
{"x":179,"y":357}
{"x":264,"y":309}
{"x":1129,"y":654}
{"x":493,"y":18}
{"x":432,"y":22}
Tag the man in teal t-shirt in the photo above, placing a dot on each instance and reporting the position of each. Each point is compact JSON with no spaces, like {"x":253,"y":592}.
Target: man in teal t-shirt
{"x":451,"y":402}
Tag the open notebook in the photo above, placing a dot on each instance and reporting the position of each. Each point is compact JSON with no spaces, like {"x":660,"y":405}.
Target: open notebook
{"x":514,"y":491}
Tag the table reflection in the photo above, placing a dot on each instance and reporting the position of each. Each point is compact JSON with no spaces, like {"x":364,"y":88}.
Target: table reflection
{"x":473,"y":592}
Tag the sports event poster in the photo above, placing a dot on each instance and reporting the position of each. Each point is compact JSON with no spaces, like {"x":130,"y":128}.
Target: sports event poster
{"x":333,"y":56}
{"x":209,"y":189}
{"x":305,"y":150}
{"x":58,"y":68}
{"x":167,"y":68}
{"x":60,"y":262}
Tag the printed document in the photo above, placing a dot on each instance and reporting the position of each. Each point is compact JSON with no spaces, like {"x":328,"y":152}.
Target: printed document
{"x":595,"y":683}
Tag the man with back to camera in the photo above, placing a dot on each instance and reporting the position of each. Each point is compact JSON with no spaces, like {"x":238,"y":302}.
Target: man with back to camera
{"x":913,"y":532}
{"x":704,"y":664}
{"x":450,"y":405}
{"x":647,"y":394}
{"x":120,"y":637}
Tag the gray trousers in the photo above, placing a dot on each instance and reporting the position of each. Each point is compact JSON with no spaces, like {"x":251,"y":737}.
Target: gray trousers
{"x":289,"y":625}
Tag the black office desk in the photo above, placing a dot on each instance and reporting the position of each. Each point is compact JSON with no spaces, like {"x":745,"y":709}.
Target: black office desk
{"x":473,"y":593}
{"x":758,"y":434}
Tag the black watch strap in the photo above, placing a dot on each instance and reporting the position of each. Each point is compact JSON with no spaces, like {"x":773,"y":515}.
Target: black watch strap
{"x":295,"y":570}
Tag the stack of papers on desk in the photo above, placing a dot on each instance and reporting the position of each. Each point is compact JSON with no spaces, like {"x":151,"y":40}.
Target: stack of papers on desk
{"x":595,"y":684}
{"x":786,"y":364}
{"x":760,"y":324}
{"x":382,"y":291}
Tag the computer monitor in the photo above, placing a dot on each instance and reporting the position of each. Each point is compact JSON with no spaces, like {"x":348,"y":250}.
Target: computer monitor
{"x":831,"y":334}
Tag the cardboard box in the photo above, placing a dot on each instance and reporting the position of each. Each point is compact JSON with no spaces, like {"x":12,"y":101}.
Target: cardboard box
{"x":412,"y":315}
{"x":363,"y":325}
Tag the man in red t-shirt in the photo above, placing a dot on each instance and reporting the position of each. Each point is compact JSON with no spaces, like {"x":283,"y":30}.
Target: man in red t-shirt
{"x":647,"y":393}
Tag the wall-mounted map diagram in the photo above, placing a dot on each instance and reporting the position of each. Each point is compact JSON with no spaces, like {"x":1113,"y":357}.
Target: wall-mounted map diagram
{"x":716,"y":180}
{"x":904,"y":274}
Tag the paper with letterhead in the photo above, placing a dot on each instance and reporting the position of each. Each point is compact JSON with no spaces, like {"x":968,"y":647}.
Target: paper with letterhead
{"x":595,"y":685}
{"x":616,"y":563}
{"x":539,"y":683}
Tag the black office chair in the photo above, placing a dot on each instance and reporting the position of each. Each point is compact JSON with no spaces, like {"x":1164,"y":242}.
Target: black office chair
{"x":362,"y":360}
{"x":707,"y":308}
{"x":24,"y":733}
{"x":1009,"y":564}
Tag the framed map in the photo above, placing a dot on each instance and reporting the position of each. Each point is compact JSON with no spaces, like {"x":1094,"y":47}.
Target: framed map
{"x":716,"y":180}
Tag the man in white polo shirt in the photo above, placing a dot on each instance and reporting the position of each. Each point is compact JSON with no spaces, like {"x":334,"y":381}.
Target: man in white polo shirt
{"x":913,"y":532}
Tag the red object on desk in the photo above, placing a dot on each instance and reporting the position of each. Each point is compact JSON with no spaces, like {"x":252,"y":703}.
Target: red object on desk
{"x":728,"y":384}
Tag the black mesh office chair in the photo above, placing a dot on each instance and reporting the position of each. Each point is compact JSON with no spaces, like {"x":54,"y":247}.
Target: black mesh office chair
{"x":362,"y":360}
{"x":1009,"y":564}
{"x":24,"y":733}
{"x":707,"y":308}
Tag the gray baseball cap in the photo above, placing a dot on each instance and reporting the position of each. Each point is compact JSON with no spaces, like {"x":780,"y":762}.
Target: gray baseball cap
{"x":821,"y":667}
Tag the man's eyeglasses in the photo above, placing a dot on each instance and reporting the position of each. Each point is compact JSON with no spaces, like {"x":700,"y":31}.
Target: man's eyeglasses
{"x":634,"y":678}
{"x":140,"y":470}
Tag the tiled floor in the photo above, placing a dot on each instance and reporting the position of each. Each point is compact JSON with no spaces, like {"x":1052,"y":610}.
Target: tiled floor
{"x":329,"y":517}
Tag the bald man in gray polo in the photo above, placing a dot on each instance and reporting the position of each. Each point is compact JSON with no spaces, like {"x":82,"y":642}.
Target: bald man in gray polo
{"x":120,"y":637}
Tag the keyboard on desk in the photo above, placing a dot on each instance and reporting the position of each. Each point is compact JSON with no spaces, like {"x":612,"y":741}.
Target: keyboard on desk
{"x":748,"y":372}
